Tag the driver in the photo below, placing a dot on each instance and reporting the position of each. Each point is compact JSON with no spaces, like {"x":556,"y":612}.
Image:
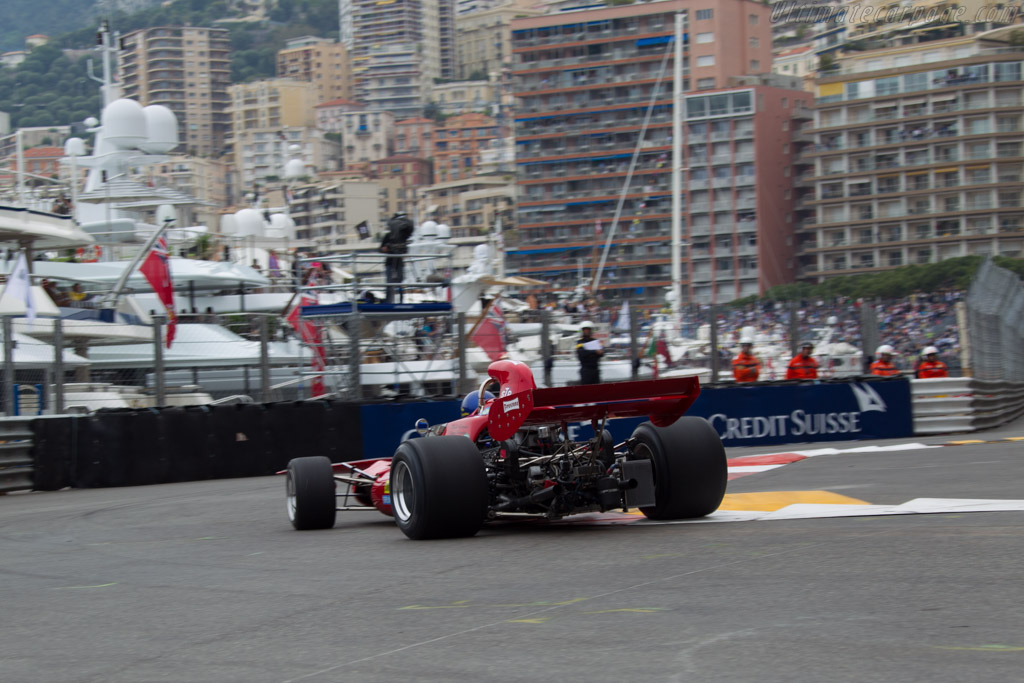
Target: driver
{"x":471,"y":403}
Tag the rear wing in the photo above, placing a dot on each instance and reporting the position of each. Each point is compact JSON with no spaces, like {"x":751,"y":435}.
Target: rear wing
{"x":519,"y":403}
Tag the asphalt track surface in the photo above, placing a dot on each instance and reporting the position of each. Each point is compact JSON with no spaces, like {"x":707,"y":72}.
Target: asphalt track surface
{"x":207,"y":582}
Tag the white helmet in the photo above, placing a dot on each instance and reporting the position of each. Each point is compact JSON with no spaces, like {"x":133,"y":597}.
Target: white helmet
{"x":929,"y":350}
{"x":585,"y":324}
{"x":884,"y":348}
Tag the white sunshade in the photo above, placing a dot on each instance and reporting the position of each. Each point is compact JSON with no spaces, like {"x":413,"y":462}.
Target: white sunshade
{"x":197,"y":346}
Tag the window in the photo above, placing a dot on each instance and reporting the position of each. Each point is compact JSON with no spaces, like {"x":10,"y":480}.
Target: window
{"x":706,"y":37}
{"x":706,"y":60}
{"x":755,"y":42}
{"x":704,"y":14}
{"x":705,"y":83}
{"x":753,"y":19}
{"x":755,"y":65}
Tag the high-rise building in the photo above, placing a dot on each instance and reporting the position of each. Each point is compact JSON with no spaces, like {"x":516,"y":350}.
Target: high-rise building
{"x":319,"y":61}
{"x":188,"y":70}
{"x":484,"y":46}
{"x":397,"y":49}
{"x":918,"y":156}
{"x":594,"y":91}
{"x":458,"y":142}
{"x":273,"y":121}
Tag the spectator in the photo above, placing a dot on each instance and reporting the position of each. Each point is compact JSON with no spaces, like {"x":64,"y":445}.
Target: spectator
{"x":589,"y":351}
{"x":56,"y":295}
{"x":77,"y":295}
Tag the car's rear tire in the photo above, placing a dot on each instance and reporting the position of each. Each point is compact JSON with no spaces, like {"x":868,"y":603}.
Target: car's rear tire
{"x":438,"y":488}
{"x":309,"y":483}
{"x":690,"y":470}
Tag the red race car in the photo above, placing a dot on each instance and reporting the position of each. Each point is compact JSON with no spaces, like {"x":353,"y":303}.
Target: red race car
{"x":512,"y":457}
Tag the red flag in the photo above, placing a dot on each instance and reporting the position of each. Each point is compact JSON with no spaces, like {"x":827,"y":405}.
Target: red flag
{"x":490,"y":333}
{"x":158,"y":273}
{"x":311,"y":337}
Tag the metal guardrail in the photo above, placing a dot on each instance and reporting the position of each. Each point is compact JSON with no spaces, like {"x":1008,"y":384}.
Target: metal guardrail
{"x":16,"y":462}
{"x":964,"y":404}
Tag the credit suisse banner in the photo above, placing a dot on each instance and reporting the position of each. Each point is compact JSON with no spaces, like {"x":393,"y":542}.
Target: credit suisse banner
{"x":776,"y":414}
{"x":742,"y":415}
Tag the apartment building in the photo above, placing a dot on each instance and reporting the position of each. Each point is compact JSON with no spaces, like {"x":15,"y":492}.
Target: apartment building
{"x":188,"y":70}
{"x":397,"y":49}
{"x":366,"y":136}
{"x":918,"y":156}
{"x":585,"y":82}
{"x":206,"y":180}
{"x":401,"y":177}
{"x":470,"y":207}
{"x":485,"y":38}
{"x":319,"y":61}
{"x":458,"y":142}
{"x":414,"y":136}
{"x":329,"y":115}
{"x":267,"y":118}
{"x":460,"y":97}
{"x":327,"y":212}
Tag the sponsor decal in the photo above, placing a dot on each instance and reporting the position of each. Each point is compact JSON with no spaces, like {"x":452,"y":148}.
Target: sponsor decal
{"x":867,"y":398}
{"x":797,"y":423}
{"x":508,"y":406}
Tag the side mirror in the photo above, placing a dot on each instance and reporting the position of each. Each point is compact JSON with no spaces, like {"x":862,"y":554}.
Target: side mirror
{"x":422,"y":426}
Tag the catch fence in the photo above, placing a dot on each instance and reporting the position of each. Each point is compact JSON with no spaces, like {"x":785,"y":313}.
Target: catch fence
{"x":995,"y":322}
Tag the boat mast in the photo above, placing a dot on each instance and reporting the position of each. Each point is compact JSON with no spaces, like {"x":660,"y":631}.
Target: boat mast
{"x":677,"y":181}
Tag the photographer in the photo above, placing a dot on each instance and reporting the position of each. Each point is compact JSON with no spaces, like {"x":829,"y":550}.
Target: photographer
{"x":395,"y":244}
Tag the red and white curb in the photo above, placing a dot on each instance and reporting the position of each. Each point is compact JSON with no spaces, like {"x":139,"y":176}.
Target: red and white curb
{"x":752,"y":464}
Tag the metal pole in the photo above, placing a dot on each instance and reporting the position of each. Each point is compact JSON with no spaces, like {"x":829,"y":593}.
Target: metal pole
{"x":677,"y":177}
{"x":634,"y":346}
{"x":158,"y":358}
{"x":264,"y":359}
{"x":58,"y":366}
{"x":713,"y":327}
{"x":545,"y":344}
{"x":9,"y":389}
{"x":794,"y":329}
{"x":20,"y":160}
{"x":460,"y":350}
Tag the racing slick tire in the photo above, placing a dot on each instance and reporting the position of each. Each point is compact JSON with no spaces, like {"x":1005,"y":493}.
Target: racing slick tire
{"x":311,"y":497}
{"x":438,"y":488}
{"x":690,"y":471}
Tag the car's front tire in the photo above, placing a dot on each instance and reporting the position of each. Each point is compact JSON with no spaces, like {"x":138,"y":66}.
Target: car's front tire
{"x":438,"y":488}
{"x":309,"y":484}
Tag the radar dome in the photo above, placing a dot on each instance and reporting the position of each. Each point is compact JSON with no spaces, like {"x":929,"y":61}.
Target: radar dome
{"x":74,"y":147}
{"x":249,"y":222}
{"x":161,"y":130}
{"x":428,"y":230}
{"x":481,"y":252}
{"x":281,"y":225}
{"x":124,"y":124}
{"x":444,"y":231}
{"x":295,"y":168}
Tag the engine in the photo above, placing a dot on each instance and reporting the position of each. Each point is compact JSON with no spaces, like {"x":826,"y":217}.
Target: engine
{"x":538,"y":472}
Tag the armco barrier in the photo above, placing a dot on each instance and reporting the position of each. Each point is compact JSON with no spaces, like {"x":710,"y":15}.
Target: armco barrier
{"x":15,"y":454}
{"x":129,"y":447}
{"x":752,"y":415}
{"x":964,"y":404}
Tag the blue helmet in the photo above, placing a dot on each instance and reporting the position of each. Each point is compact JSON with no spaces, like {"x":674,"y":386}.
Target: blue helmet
{"x":472,"y":402}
